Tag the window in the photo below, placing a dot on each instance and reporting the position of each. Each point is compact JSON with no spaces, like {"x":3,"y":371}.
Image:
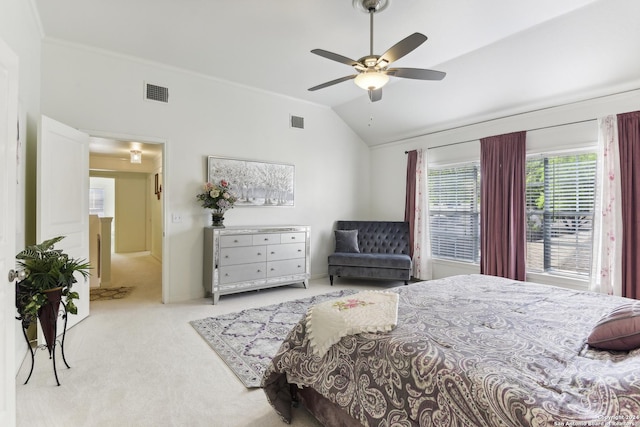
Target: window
{"x":560,"y":199}
{"x":560,"y":206}
{"x":96,"y":201}
{"x":454,"y":212}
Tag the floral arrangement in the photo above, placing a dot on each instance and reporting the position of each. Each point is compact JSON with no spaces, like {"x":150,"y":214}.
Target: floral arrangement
{"x":218,"y":197}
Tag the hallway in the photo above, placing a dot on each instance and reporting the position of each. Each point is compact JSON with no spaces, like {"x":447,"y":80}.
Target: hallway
{"x":140,"y":271}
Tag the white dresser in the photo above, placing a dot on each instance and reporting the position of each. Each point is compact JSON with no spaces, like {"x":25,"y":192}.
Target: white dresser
{"x":239,"y":259}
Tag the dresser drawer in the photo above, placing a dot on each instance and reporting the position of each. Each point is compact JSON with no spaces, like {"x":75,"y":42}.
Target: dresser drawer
{"x":285,"y":267}
{"x":236,"y":240}
{"x":266,"y":239}
{"x":242,"y":273}
{"x":242,"y":255}
{"x":294,"y":237}
{"x":291,"y":250}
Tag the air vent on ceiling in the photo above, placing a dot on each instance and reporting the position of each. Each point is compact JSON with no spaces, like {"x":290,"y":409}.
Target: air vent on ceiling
{"x":156,"y":93}
{"x":297,"y":122}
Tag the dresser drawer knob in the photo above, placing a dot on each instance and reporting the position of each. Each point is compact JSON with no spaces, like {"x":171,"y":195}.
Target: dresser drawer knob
{"x":272,"y":253}
{"x":299,"y":250}
{"x":293,"y":237}
{"x":273,"y":269}
{"x":259,"y":253}
{"x":259,"y":271}
{"x":266,"y":239}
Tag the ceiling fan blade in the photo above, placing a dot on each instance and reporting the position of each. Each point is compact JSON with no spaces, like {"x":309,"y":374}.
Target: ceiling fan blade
{"x":403,"y":47}
{"x":416,"y":73}
{"x":333,"y":82}
{"x":335,"y":57}
{"x":375,"y":95}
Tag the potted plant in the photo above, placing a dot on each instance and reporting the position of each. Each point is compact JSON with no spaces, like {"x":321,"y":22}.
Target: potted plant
{"x":49,"y":278}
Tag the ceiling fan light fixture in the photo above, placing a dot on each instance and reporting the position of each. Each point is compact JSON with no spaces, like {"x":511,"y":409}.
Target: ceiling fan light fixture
{"x":372,"y":70}
{"x":371,"y":80}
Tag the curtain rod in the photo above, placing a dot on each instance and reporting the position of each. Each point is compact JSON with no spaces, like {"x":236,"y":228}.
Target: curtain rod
{"x":528,"y":130}
{"x":515,"y":115}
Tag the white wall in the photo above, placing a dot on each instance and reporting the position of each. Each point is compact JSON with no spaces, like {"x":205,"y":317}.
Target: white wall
{"x":99,"y":91}
{"x":388,"y":162}
{"x":19,"y":28}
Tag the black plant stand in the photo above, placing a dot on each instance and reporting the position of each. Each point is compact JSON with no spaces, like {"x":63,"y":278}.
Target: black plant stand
{"x":52,"y":353}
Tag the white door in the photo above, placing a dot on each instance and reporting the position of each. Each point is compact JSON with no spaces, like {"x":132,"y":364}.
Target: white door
{"x":8,"y":143}
{"x":63,"y":199}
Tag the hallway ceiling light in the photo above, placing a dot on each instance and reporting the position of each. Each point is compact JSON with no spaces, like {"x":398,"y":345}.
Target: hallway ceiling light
{"x":136,"y":156}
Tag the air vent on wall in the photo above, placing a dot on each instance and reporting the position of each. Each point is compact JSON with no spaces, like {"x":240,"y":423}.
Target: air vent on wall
{"x":156,"y":93}
{"x":297,"y":122}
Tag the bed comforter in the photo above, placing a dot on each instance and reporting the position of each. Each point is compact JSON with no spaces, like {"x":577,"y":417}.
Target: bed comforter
{"x":471,"y":351}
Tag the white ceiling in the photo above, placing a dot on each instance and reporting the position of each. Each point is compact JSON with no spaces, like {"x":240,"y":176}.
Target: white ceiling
{"x":499,"y":55}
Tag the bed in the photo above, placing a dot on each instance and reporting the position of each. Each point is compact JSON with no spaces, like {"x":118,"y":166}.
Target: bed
{"x":467,"y":351}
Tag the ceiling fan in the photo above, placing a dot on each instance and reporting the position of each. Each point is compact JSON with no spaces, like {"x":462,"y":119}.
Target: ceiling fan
{"x":373,"y":71}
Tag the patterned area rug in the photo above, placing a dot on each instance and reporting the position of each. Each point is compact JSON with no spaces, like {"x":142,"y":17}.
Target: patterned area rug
{"x":101,"y":294}
{"x":248,"y":340}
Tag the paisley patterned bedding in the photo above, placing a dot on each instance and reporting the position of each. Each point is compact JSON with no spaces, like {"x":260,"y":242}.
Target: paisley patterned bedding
{"x":471,"y":351}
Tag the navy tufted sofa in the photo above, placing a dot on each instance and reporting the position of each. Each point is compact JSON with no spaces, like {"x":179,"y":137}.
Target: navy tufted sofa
{"x":382,"y":251}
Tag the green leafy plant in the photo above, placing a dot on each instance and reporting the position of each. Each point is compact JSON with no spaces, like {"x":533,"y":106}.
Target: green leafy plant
{"x":46,"y":268}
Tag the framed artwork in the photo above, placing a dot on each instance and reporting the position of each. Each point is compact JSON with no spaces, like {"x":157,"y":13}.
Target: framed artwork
{"x":158,"y":186}
{"x":255,"y":183}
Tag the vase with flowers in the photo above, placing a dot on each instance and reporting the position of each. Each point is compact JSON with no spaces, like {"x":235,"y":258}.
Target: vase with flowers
{"x":219,"y":198}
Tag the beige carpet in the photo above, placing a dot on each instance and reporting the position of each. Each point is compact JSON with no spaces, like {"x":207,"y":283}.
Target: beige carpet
{"x":137,"y":362}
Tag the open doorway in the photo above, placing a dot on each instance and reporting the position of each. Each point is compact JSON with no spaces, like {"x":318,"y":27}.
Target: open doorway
{"x":126,"y":206}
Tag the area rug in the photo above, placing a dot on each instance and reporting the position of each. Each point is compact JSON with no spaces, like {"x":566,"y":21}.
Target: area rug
{"x":103,"y":294}
{"x":248,"y":340}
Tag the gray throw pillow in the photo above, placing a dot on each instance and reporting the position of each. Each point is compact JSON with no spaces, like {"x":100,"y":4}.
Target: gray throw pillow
{"x":347,"y":241}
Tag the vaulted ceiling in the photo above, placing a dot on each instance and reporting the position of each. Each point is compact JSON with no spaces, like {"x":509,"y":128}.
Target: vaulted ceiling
{"x":500,"y":56}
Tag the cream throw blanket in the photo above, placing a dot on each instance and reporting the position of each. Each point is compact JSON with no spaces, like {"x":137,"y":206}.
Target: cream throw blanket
{"x":367,"y":311}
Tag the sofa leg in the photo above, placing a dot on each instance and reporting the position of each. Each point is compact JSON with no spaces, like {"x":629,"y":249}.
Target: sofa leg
{"x":331,"y":279}
{"x":406,"y":282}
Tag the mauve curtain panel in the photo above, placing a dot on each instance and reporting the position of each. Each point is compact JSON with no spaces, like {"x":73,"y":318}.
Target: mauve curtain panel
{"x":629,"y":144}
{"x":410,"y":197}
{"x":502,"y":205}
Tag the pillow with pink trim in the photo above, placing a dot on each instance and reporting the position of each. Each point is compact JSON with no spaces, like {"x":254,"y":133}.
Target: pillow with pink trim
{"x":618,"y":330}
